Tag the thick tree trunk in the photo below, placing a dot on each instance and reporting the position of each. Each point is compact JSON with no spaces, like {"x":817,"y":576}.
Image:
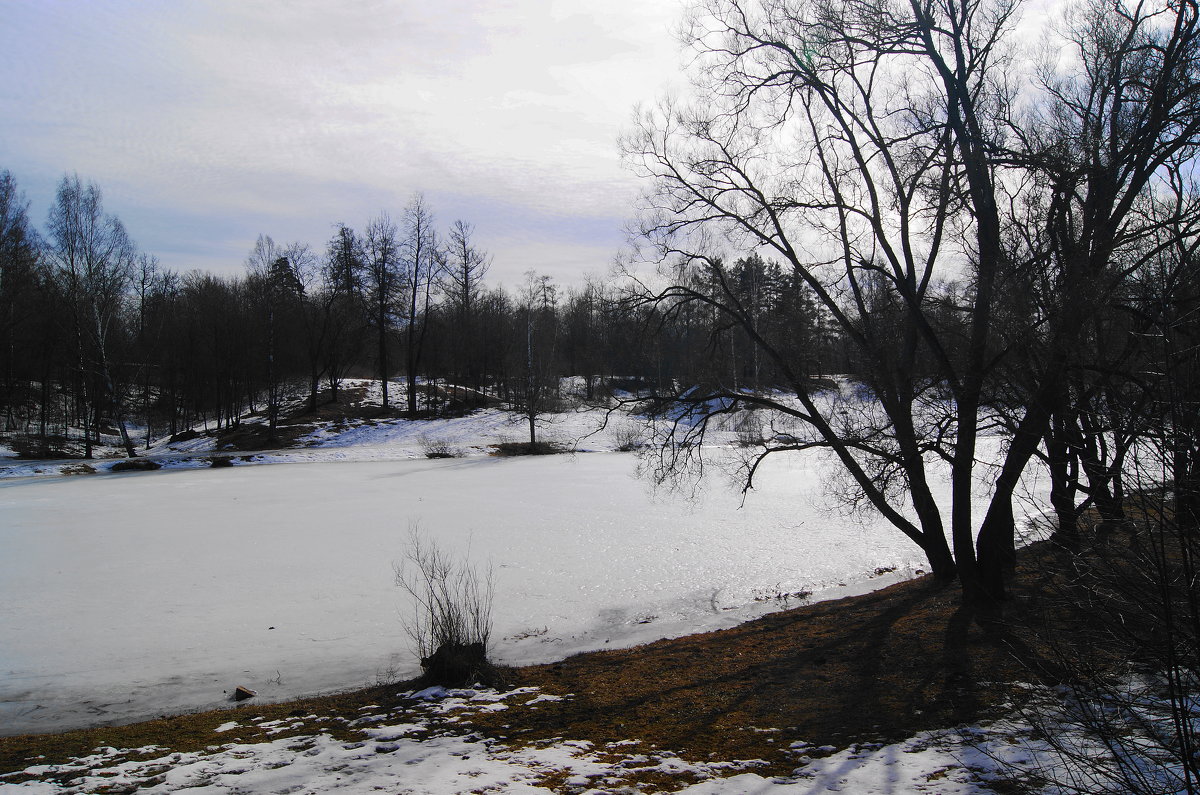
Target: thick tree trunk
{"x":1185,"y":467}
{"x":126,"y":441}
{"x":941,"y":562}
{"x":1062,"y":485}
{"x":996,"y":547}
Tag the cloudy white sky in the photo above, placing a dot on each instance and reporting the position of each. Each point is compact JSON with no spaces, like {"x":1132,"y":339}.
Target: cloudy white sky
{"x":208,"y":122}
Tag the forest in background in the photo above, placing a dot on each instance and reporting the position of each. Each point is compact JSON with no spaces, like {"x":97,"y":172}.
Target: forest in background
{"x":99,"y":338}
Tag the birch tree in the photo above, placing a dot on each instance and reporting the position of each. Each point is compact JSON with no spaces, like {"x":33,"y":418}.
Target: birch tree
{"x":93,"y":260}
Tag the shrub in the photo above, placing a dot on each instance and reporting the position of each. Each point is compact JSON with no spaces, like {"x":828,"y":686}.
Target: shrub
{"x":438,"y":448}
{"x":35,"y":448}
{"x":451,"y":625}
{"x":749,"y":429}
{"x":629,"y":436}
{"x":1125,"y":716}
{"x":135,"y":465}
{"x":525,"y":448}
{"x":218,"y":461}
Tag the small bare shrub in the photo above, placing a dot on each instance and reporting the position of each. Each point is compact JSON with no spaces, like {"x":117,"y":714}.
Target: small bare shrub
{"x":749,"y":429}
{"x":451,"y":625}
{"x":629,"y":436}
{"x":438,"y":448}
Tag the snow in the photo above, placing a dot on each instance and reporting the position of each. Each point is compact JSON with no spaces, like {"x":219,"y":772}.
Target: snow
{"x":132,"y":595}
{"x":415,"y":749}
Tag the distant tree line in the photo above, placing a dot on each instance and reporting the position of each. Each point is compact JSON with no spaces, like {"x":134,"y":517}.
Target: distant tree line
{"x":98,"y":338}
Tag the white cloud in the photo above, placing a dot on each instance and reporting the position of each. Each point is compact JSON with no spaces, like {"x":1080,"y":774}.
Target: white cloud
{"x":296,"y":115}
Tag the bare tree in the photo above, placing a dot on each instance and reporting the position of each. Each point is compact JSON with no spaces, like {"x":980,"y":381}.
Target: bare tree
{"x":462,"y":283}
{"x":1110,"y":153}
{"x":343,"y":304}
{"x":94,"y":263}
{"x":539,"y":300}
{"x":423,"y":264}
{"x":383,"y":283}
{"x":150,"y":285}
{"x":276,"y":278}
{"x":892,"y":179}
{"x":1128,"y":651}
{"x":873,"y":149}
{"x":19,"y":245}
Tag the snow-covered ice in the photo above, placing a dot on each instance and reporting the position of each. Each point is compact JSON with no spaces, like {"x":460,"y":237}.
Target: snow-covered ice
{"x":129,"y":596}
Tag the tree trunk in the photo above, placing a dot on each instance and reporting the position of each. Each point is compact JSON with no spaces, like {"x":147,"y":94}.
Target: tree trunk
{"x":381,"y":319}
{"x":1062,"y":489}
{"x":941,"y":562}
{"x":1186,"y":472}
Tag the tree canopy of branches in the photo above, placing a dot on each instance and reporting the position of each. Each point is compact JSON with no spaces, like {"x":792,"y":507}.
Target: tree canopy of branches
{"x":973,"y":232}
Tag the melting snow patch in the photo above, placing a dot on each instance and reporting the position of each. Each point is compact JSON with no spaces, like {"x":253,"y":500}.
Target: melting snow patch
{"x":429,"y":693}
{"x":405,"y":757}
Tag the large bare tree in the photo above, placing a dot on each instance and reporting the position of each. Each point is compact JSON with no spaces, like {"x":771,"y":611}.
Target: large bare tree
{"x":19,"y":278}
{"x":874,"y":149}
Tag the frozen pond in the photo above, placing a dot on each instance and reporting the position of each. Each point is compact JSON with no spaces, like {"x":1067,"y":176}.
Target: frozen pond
{"x":130,"y":596}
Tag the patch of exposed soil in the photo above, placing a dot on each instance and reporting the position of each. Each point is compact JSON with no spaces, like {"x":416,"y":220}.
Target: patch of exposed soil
{"x":298,"y":419}
{"x":879,"y":667}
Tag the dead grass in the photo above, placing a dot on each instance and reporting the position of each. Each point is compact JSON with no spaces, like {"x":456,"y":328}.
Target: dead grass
{"x":873,"y":668}
{"x":183,"y":733}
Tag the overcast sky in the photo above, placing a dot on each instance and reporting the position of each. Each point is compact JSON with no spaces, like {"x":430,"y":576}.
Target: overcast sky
{"x":207,"y":123}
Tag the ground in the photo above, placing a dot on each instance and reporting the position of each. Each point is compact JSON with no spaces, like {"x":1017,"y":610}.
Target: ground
{"x":846,"y":677}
